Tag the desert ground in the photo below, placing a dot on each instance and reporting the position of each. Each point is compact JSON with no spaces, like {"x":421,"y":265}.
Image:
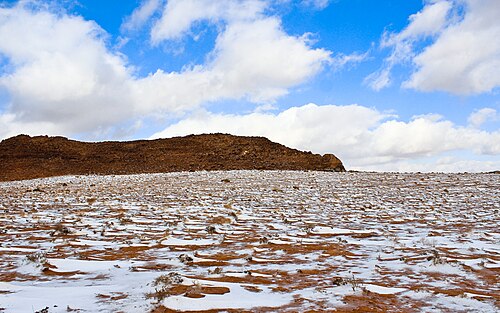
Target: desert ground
{"x":251,"y":241}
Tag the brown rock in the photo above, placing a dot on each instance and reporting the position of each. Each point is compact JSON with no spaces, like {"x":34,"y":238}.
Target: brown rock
{"x":25,"y":157}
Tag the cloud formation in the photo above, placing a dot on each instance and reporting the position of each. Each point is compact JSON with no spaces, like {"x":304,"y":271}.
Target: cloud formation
{"x":178,"y":16}
{"x":478,"y":118}
{"x":59,"y":76}
{"x":61,"y":72}
{"x":367,"y":138}
{"x":428,"y":22}
{"x":141,"y":15}
{"x":463,"y":53}
{"x":466,"y":56}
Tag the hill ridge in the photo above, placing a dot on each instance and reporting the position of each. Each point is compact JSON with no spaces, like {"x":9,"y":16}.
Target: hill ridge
{"x":26,"y":157}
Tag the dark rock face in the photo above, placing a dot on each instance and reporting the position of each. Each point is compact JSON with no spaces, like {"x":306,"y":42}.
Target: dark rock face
{"x":333,"y":163}
{"x":25,"y":157}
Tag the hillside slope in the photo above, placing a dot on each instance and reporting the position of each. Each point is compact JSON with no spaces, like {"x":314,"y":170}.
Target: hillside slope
{"x":25,"y":157}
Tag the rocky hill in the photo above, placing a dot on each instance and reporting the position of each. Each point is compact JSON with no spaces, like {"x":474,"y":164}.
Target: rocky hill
{"x":25,"y":157}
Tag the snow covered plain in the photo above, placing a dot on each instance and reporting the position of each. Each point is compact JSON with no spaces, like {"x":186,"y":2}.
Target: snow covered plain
{"x":251,"y":241}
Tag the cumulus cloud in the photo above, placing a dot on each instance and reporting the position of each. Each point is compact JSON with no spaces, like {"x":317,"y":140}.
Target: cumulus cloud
{"x":427,"y":22}
{"x":255,"y":60}
{"x":365,"y":137}
{"x":447,"y":163}
{"x":306,"y":127}
{"x":253,"y":56}
{"x":283,"y":60}
{"x":179,"y":15}
{"x":61,"y":72}
{"x":10,"y":126}
{"x":465,"y":57}
{"x":463,"y":53}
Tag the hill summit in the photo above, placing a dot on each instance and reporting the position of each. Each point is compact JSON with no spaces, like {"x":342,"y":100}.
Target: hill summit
{"x":25,"y":157}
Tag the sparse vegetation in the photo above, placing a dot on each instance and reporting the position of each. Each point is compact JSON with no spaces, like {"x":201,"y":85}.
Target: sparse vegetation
{"x":311,"y":248}
{"x":436,"y":258}
{"x":163,"y":285}
{"x":184,"y":258}
{"x":61,"y":229}
{"x":342,"y":281}
{"x":38,"y":258}
{"x":211,"y":229}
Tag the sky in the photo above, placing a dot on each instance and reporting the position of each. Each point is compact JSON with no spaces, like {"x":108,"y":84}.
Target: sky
{"x":385,"y":85}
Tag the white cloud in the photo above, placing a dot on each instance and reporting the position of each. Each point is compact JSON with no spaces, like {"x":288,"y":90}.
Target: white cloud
{"x":254,"y":60}
{"x":62,"y":73}
{"x":308,"y":127}
{"x":465,"y":58}
{"x":427,"y":22}
{"x":445,"y":163}
{"x":428,"y":135}
{"x":481,"y":116}
{"x":259,"y":57}
{"x":363,"y":137}
{"x":11,"y":126}
{"x":463,"y":54}
{"x":341,"y":60}
{"x":141,"y":15}
{"x":380,"y":79}
{"x":179,"y":15}
{"x":253,"y":57}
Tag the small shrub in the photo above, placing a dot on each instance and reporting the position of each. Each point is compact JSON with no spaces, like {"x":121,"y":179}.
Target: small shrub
{"x":436,"y":258}
{"x":39,"y":258}
{"x":60,"y":229}
{"x":215,"y":271}
{"x":184,"y":258}
{"x":163,"y":285}
{"x":210,"y":229}
{"x":341,"y":281}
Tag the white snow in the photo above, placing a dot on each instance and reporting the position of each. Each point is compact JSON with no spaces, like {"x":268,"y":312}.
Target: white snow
{"x":326,"y":230}
{"x":337,"y":235}
{"x":383,"y":290}
{"x":188,"y":242}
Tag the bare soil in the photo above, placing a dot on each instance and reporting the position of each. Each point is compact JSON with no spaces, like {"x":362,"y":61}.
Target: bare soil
{"x":251,"y":241}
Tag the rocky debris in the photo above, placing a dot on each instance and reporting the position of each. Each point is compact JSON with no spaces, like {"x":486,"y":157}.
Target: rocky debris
{"x":25,"y":157}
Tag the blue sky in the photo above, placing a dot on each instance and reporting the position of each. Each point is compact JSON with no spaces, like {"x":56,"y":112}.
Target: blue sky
{"x":385,"y":85}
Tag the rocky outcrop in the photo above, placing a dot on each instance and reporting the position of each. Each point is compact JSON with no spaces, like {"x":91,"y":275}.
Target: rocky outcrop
{"x":25,"y":157}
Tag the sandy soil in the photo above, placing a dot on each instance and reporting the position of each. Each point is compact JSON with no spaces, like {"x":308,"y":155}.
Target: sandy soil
{"x":255,"y":241}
